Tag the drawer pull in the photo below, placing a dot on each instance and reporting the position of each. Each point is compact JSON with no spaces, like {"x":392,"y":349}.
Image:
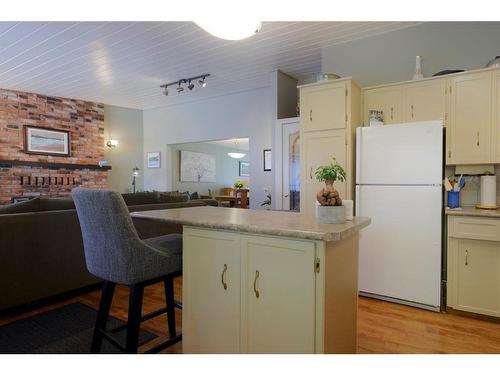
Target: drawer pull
{"x":310,"y":115}
{"x":412,"y":111}
{"x":392,"y":113}
{"x":466,"y":257}
{"x":223,"y":277}
{"x":477,"y":138}
{"x":257,"y":274}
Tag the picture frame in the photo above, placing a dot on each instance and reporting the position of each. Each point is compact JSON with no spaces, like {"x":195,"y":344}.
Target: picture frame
{"x":197,"y":167}
{"x":46,"y":141}
{"x":153,"y":159}
{"x":244,"y":168}
{"x":267,"y":160}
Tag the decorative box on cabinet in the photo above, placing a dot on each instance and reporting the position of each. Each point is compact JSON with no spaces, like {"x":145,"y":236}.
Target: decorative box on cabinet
{"x":473,"y":266}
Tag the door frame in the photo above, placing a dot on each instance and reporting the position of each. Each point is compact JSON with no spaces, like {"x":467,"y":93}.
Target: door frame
{"x":278,"y":159}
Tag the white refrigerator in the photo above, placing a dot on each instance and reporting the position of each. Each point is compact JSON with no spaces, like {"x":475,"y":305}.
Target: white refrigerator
{"x":399,"y":171}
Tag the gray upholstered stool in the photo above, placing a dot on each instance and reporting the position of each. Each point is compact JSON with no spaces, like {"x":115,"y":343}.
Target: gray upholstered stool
{"x":115,"y":253}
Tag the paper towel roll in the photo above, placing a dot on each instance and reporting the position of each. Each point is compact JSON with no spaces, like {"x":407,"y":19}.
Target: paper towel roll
{"x":489,"y":190}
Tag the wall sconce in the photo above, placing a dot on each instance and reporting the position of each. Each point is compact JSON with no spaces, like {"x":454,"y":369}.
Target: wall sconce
{"x":112,"y":143}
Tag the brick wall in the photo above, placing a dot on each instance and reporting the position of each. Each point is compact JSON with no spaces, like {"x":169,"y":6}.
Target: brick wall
{"x":85,"y":122}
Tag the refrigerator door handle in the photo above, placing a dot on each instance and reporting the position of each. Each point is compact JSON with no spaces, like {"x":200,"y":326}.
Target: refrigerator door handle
{"x":357,"y":200}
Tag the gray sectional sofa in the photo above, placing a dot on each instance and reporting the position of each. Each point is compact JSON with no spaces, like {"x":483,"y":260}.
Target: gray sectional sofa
{"x":41,"y":247}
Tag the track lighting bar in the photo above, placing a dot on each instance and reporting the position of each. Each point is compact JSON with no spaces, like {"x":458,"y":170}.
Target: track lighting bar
{"x":189,"y":81}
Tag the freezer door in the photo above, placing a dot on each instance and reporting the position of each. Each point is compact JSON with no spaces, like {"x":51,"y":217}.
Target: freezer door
{"x":405,"y":154}
{"x":400,"y":251}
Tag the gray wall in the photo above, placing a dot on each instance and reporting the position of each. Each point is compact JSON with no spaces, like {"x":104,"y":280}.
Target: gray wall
{"x":390,"y":57}
{"x":243,"y":115}
{"x":125,"y":125}
{"x":226,"y":168}
{"x":286,"y":95}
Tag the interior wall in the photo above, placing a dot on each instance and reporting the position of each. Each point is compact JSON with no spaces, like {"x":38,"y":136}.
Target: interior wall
{"x":390,"y":57}
{"x":125,"y":125}
{"x":226,"y":168}
{"x":286,"y":95}
{"x":246,"y":114}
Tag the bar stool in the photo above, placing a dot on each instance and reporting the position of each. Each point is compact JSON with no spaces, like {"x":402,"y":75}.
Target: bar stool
{"x":115,"y":253}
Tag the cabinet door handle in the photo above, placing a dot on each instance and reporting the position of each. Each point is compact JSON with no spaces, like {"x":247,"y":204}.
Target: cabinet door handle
{"x":311,"y":173}
{"x":257,"y":274}
{"x":477,"y":139}
{"x":466,"y":257}
{"x":412,"y":111}
{"x":310,"y":115}
{"x":392,"y":113}
{"x":223,"y":277}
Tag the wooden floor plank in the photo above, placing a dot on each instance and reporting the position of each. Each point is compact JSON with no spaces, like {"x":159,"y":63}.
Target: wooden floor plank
{"x":383,"y":327}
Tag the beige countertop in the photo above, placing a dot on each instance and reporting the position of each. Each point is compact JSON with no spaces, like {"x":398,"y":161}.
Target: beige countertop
{"x":472,"y":211}
{"x":274,"y":223}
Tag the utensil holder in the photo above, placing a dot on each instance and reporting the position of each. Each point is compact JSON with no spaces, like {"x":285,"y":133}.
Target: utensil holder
{"x":453,"y":199}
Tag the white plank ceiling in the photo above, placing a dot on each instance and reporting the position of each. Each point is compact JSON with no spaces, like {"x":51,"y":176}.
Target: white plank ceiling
{"x":124,"y":63}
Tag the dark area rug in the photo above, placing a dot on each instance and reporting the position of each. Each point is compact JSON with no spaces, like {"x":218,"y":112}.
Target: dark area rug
{"x":65,"y":330}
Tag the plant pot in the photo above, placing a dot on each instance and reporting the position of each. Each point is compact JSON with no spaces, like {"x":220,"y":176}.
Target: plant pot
{"x":330,"y":214}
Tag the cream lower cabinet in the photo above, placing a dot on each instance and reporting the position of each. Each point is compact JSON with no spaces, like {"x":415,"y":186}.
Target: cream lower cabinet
{"x":318,"y":148}
{"x":496,"y":126}
{"x":474,"y":265}
{"x":247,"y":293}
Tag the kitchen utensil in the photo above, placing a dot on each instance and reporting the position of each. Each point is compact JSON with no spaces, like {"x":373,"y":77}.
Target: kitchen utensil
{"x":447,"y":184}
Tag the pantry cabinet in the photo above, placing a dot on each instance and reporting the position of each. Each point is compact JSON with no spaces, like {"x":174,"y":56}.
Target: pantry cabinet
{"x":318,"y":148}
{"x":474,"y":265}
{"x":327,"y":135}
{"x":470,"y":97}
{"x":385,"y":99}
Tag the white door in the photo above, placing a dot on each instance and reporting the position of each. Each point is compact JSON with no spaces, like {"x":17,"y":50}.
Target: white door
{"x":405,"y":154}
{"x":291,"y":166}
{"x":400,"y":251}
{"x":211,"y":292}
{"x":279,"y":295}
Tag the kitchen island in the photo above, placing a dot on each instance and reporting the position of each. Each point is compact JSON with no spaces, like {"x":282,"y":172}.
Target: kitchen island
{"x":257,"y":281}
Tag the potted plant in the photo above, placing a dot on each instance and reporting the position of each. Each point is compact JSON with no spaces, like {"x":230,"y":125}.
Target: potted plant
{"x":329,"y":208}
{"x":238,"y":184}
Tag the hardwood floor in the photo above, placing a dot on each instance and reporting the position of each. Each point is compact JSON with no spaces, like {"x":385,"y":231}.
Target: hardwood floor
{"x":383,"y":327}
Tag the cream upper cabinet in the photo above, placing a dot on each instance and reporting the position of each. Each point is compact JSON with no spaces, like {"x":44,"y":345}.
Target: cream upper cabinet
{"x":323,"y":106}
{"x":474,"y":265}
{"x":470,"y":119}
{"x":385,"y":99}
{"x":211,"y":292}
{"x":424,"y":101}
{"x":280,"y":302}
{"x":496,"y":123}
{"x":317,"y":149}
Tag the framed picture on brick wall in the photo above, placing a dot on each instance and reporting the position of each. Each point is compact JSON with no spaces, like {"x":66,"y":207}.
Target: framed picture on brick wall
{"x":46,"y":141}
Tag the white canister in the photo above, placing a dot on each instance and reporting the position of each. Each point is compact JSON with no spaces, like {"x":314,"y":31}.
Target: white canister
{"x":349,"y":206}
{"x":489,"y":191}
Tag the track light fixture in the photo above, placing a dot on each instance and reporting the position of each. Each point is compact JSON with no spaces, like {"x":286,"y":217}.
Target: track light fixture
{"x":190,"y":85}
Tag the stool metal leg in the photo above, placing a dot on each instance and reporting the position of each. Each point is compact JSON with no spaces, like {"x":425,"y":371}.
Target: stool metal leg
{"x":102,"y":315}
{"x":134,"y":318}
{"x":169,"y":297}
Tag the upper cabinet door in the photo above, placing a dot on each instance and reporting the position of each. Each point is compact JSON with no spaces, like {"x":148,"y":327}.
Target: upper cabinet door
{"x":470,"y":118}
{"x":425,"y":101}
{"x":323,"y":107}
{"x":385,"y":99}
{"x":496,"y":123}
{"x":280,"y":298}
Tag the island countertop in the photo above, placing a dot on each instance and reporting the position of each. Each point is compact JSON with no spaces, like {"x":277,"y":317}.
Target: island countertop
{"x":273,"y":223}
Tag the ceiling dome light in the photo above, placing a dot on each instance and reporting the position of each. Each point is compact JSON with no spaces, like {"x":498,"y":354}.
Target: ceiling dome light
{"x":236,"y":155}
{"x":234,"y":29}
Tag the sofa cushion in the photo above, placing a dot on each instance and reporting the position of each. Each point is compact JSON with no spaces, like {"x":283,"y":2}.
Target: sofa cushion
{"x":194,"y":195}
{"x":143,"y":197}
{"x":32,"y":205}
{"x":54,"y":204}
{"x":173,"y":198}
